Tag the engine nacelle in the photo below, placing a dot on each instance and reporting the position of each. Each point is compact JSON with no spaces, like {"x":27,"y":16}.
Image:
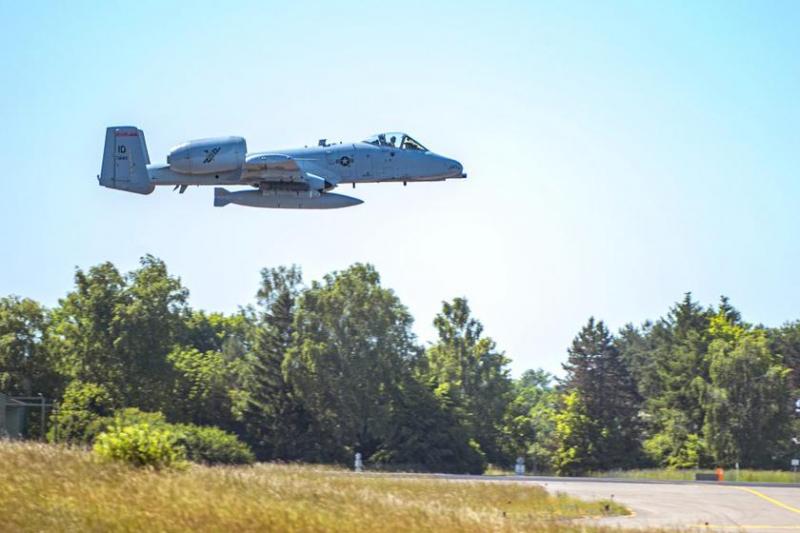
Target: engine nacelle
{"x":208,"y":156}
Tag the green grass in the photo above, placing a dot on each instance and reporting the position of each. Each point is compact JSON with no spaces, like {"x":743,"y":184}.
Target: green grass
{"x":667,"y":474}
{"x":493,"y":470}
{"x":766,"y":476}
{"x":51,"y":488}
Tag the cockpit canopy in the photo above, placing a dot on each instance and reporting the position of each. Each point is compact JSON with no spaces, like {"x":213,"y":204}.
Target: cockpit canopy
{"x":396,"y":139}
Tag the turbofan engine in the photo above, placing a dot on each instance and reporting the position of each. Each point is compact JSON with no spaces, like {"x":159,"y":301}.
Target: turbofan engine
{"x":208,"y":156}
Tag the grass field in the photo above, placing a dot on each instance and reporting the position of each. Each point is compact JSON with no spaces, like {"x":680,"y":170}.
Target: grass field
{"x":49,"y":488}
{"x":764,"y":476}
{"x":666,"y":474}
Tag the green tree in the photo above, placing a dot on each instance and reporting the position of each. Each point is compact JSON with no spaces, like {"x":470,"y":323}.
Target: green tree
{"x":475,"y":373}
{"x":82,"y":406}
{"x":674,"y":446}
{"x":202,"y":390}
{"x":276,"y":422}
{"x":426,"y":434}
{"x":86,"y":326}
{"x":596,"y":370}
{"x":118,"y":331}
{"x":353,"y":350}
{"x":747,"y":411}
{"x":209,"y":367}
{"x":26,"y":367}
{"x":576,"y":434}
{"x":528,"y":426}
{"x":786,"y":342}
{"x":637,"y":347}
{"x":667,"y":360}
{"x":681,"y":348}
{"x":151,"y":322}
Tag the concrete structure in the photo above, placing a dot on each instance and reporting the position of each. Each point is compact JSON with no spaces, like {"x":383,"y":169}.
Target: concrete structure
{"x":13,"y":417}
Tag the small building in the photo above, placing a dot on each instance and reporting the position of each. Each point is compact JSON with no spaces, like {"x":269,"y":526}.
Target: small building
{"x":17,"y":413}
{"x":13,"y":417}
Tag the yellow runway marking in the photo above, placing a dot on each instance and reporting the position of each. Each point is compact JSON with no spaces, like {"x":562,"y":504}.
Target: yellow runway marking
{"x":770,"y":500}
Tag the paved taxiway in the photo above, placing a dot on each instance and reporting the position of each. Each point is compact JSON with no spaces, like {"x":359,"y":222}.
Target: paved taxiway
{"x":718,"y":507}
{"x":684,"y":505}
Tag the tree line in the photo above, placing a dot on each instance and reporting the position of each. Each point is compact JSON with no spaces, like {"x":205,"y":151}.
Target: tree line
{"x":317,"y":372}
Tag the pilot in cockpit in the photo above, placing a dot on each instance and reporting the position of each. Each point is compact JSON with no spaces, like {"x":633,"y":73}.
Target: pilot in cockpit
{"x":399,"y":141}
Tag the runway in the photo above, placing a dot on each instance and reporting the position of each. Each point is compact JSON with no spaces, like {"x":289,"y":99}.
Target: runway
{"x":716,"y":507}
{"x":685,"y":505}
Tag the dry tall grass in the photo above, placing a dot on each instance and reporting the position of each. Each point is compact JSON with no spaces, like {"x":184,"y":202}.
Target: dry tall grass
{"x":49,"y":488}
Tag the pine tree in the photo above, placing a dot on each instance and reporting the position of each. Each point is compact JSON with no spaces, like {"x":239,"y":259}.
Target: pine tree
{"x":275,"y":421}
{"x":677,"y":346}
{"x":597,"y":372}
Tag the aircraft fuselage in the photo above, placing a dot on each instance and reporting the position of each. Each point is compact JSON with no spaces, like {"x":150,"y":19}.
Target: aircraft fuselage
{"x":352,"y":162}
{"x":299,"y":178}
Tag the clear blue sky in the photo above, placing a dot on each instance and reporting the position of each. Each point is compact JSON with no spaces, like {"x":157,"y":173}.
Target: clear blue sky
{"x":619,"y":153}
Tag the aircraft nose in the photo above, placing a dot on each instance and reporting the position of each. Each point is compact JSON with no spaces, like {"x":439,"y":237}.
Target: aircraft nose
{"x":454,"y":166}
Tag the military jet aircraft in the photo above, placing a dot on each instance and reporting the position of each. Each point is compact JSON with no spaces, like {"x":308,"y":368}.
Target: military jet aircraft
{"x":295,"y":179}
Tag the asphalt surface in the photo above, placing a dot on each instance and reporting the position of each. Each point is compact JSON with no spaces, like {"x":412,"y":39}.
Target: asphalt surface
{"x":765,"y":507}
{"x":694,"y":506}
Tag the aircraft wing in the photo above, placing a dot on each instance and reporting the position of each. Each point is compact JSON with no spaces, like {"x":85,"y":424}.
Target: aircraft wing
{"x":279,"y":168}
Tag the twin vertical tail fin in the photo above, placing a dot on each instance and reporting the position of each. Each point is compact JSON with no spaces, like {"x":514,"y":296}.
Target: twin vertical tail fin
{"x":125,"y":161}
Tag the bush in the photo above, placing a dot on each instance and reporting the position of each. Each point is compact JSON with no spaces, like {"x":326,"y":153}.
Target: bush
{"x":140,"y":445}
{"x":130,"y":416}
{"x":211,"y":445}
{"x":143,"y":438}
{"x":201,"y":444}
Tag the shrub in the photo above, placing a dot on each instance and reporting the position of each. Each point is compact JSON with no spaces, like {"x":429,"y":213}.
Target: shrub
{"x":211,"y":445}
{"x":132,"y":415}
{"x":129,"y":416}
{"x":140,"y":445}
{"x":142,"y":438}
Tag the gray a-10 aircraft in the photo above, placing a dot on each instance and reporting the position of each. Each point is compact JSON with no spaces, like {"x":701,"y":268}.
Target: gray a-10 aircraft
{"x":297,"y":179}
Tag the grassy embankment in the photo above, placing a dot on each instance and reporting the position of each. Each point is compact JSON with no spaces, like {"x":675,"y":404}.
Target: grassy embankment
{"x":763,"y":476}
{"x":49,"y":488}
{"x":665,"y":474}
